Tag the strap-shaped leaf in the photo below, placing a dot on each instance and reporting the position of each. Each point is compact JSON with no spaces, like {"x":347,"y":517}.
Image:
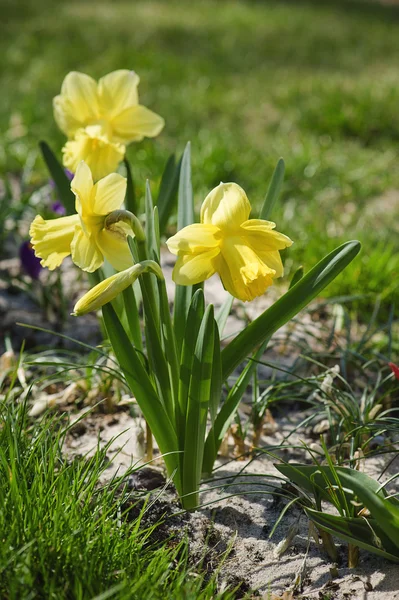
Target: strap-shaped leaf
{"x":223,"y":313}
{"x":130,"y":198}
{"x":287,"y":306}
{"x":322,"y":476}
{"x":168,"y":191}
{"x":61,"y":181}
{"x":274,"y":190}
{"x":297,"y":276}
{"x":140,"y":384}
{"x":224,"y":418}
{"x":213,"y":439}
{"x":197,"y":408}
{"x":185,"y":216}
{"x":367,"y":535}
{"x":194,"y":320}
{"x":132,"y":316}
{"x":153,"y":249}
{"x":385,"y":512}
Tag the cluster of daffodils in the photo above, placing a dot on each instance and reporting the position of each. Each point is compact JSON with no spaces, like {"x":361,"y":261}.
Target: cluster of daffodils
{"x":101,"y":118}
{"x":174,"y":365}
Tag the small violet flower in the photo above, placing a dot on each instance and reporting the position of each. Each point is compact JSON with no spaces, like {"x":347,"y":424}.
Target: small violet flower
{"x":58,"y":208}
{"x":29,"y":261}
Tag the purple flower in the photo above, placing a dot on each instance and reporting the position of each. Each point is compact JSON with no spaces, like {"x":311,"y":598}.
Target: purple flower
{"x":58,"y":208}
{"x":29,"y":261}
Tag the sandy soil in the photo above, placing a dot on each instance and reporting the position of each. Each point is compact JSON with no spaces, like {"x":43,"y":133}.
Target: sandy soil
{"x":243,"y":522}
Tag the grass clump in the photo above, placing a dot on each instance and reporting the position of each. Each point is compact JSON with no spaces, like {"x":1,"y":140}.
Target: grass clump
{"x":63,"y":535}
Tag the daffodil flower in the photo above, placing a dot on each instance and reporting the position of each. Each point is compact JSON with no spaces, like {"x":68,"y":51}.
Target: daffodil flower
{"x":100,"y":119}
{"x":243,"y":251}
{"x":84,"y":235}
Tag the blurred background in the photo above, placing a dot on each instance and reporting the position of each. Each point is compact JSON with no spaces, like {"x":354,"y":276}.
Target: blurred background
{"x":247,"y":82}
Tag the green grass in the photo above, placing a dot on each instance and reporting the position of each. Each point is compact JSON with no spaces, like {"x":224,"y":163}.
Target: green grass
{"x":65,"y":536}
{"x":246,"y":82}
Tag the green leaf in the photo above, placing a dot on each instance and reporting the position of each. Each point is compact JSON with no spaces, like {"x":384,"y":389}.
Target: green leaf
{"x":353,"y":482}
{"x":217,"y":381}
{"x":287,"y":306}
{"x":194,"y":320}
{"x":223,"y":313}
{"x":365,"y":534}
{"x":197,"y":409}
{"x":130,"y":199}
{"x":61,"y":181}
{"x":274,"y":190}
{"x":212,"y":441}
{"x":226,"y":414}
{"x":322,"y":476}
{"x":141,"y":386}
{"x":383,"y":511}
{"x":296,"y":277}
{"x":185,"y":216}
{"x":185,"y":209}
{"x":132,"y":316}
{"x":153,"y":249}
{"x":168,"y":191}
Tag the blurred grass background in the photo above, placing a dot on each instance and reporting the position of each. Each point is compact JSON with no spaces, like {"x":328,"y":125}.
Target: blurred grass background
{"x":246,"y":82}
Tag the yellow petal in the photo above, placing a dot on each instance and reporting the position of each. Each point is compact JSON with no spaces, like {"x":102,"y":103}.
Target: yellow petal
{"x":194,"y":238}
{"x":101,"y":155}
{"x":51,"y":240}
{"x":135,"y":123}
{"x":194,"y":268}
{"x":226,"y":206}
{"x":77,"y":105}
{"x":84,"y":251}
{"x":82,"y":187}
{"x":264,"y":239}
{"x":117,"y":91}
{"x":109,"y":194}
{"x":115,"y":249}
{"x":242,"y":272}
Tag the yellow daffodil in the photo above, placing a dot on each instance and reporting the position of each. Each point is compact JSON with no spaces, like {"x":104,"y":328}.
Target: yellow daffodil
{"x":243,"y":251}
{"x":109,"y":288}
{"x":84,"y":235}
{"x":100,"y":119}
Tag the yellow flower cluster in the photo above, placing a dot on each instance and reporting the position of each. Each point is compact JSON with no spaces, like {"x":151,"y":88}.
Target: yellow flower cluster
{"x":100,"y":119}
